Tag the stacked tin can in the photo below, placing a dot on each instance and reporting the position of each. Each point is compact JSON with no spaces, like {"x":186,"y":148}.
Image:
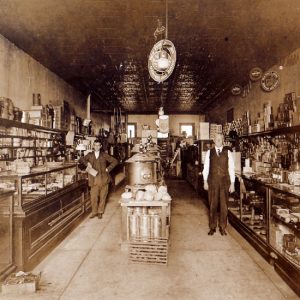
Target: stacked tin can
{"x":143,"y":223}
{"x":133,"y":220}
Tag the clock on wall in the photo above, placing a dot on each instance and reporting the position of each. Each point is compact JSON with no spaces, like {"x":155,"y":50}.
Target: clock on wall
{"x":270,"y":81}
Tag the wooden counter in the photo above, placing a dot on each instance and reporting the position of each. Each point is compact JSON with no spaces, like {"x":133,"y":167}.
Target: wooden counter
{"x":40,"y":227}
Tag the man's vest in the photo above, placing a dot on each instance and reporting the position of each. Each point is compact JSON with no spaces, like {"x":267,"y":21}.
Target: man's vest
{"x":218,"y":166}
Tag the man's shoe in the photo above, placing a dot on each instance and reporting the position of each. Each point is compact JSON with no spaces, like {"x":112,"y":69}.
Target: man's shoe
{"x":93,"y":216}
{"x":99,"y":216}
{"x":223,"y":231}
{"x":211,"y":231}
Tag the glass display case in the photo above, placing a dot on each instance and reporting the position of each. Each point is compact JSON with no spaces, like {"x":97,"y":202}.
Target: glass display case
{"x":267,"y":213}
{"x":48,"y":202}
{"x":285,"y":225}
{"x":268,"y":216}
{"x":6,"y":233}
{"x":40,"y":182}
{"x":48,"y":197}
{"x":252,"y":209}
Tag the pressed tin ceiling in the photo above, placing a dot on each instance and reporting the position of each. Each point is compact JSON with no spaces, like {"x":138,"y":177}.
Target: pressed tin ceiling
{"x":102,"y":47}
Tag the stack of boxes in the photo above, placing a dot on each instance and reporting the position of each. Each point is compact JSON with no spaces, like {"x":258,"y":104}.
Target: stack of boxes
{"x":208,"y":131}
{"x":268,"y":119}
{"x":56,"y":115}
{"x":204,"y":131}
{"x":36,"y":115}
{"x":61,"y":115}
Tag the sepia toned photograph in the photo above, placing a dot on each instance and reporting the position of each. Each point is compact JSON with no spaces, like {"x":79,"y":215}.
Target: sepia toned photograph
{"x":149,"y":150}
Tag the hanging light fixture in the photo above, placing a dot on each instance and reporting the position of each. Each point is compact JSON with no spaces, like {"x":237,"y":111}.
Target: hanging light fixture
{"x":162,"y":57}
{"x":163,"y":62}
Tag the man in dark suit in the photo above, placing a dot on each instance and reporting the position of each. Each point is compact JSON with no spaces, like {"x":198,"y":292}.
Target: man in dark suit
{"x":219,"y":177}
{"x":100,"y":164}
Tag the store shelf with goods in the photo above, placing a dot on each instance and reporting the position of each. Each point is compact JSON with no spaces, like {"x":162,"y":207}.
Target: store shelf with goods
{"x":269,"y":151}
{"x":270,"y":162}
{"x":273,"y":132}
{"x":48,"y":203}
{"x":34,"y":144}
{"x":5,"y":123}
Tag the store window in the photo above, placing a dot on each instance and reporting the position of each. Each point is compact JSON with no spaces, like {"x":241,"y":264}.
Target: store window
{"x":131,"y":130}
{"x":187,"y":129}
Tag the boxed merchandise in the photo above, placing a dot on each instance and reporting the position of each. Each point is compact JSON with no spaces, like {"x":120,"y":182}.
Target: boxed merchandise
{"x":61,"y":116}
{"x":204,"y":131}
{"x":35,"y":113}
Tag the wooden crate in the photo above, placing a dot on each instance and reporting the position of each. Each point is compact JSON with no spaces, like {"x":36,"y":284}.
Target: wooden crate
{"x":150,"y":251}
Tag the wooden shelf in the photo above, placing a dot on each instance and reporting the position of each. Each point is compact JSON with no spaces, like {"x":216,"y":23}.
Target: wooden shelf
{"x":11,"y":123}
{"x":276,"y":131}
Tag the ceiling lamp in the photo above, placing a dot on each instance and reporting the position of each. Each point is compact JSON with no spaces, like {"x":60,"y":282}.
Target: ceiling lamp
{"x":164,"y":61}
{"x":162,"y":57}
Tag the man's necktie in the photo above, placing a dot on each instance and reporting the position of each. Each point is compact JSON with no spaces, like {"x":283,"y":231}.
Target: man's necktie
{"x":218,"y":152}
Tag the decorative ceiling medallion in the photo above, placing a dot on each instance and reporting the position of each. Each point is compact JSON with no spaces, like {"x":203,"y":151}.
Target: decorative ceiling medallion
{"x":255,"y":74}
{"x":270,"y":81}
{"x":155,"y":72}
{"x":236,"y":90}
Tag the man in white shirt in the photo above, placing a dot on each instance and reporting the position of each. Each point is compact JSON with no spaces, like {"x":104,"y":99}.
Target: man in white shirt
{"x":219,"y":177}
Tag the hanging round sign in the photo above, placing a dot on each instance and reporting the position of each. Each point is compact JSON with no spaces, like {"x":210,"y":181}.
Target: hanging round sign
{"x":236,"y":90}
{"x":255,"y":74}
{"x":270,"y":81}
